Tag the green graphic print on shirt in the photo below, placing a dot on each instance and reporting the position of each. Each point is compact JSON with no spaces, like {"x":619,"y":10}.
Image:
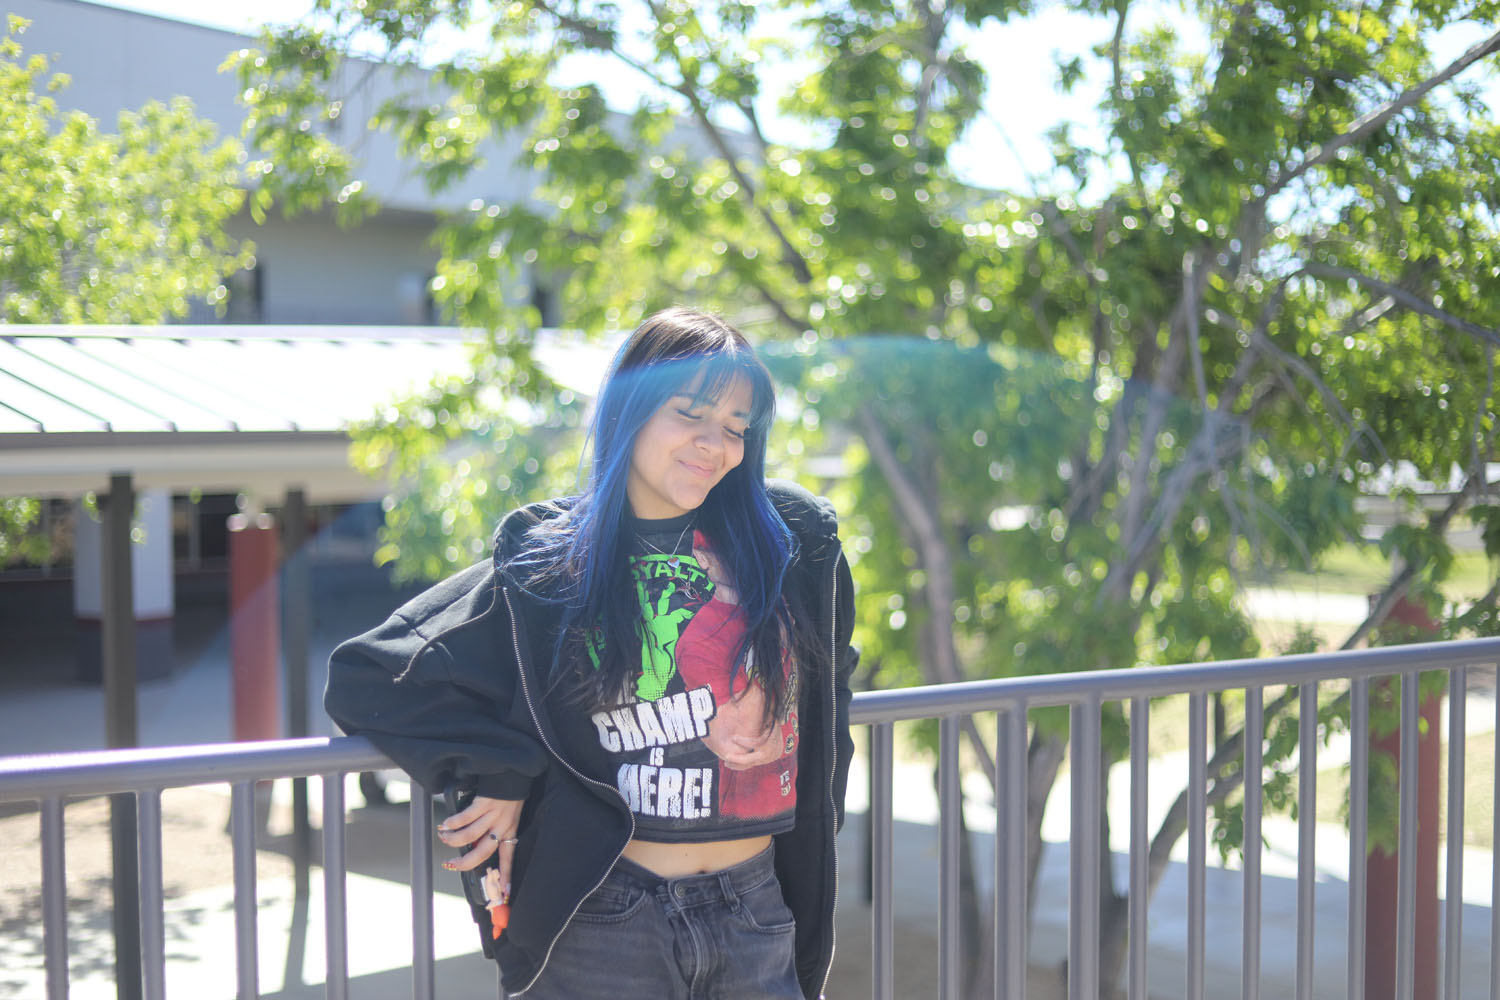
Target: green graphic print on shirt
{"x":691,"y":753}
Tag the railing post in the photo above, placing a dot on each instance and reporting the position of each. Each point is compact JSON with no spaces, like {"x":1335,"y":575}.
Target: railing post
{"x":1307,"y":805}
{"x":1495,"y":869}
{"x":1010,"y":854}
{"x":1453,"y":925}
{"x":335,"y":926}
{"x":242,"y":840}
{"x":1406,"y":858}
{"x":950,"y":829}
{"x":1140,"y":844}
{"x":1359,"y":828}
{"x":152,"y":914}
{"x":54,"y":898}
{"x":1084,"y":853}
{"x":1255,"y":728}
{"x":882,"y":854}
{"x":1197,"y":841}
{"x":423,"y":966}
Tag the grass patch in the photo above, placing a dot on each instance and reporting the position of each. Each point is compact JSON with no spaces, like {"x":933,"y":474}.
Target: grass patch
{"x":1361,"y":569}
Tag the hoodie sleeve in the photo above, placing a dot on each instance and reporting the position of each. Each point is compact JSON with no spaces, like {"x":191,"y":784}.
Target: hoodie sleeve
{"x":846,"y":659}
{"x":434,"y":688}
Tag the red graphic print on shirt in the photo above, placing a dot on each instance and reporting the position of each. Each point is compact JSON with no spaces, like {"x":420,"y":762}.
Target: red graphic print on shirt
{"x":693,"y":755}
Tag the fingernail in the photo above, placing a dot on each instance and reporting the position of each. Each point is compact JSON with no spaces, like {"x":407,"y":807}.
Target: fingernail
{"x":450,"y":866}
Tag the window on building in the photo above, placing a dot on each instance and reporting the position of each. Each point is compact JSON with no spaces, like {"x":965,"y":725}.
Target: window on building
{"x":246,"y":302}
{"x":544,"y":299}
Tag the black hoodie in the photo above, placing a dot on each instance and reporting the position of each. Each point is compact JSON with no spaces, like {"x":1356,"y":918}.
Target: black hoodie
{"x":451,"y":689}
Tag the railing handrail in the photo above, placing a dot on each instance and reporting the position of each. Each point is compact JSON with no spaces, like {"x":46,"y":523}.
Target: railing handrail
{"x":106,"y":772}
{"x":1118,"y":684}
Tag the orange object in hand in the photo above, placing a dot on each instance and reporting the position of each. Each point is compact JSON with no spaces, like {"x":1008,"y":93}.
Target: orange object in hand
{"x":499,"y":918}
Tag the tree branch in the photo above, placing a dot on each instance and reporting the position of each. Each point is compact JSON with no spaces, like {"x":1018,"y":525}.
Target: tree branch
{"x":1403,"y":298}
{"x":1117,"y":90}
{"x":1377,"y":117}
{"x":919,"y":515}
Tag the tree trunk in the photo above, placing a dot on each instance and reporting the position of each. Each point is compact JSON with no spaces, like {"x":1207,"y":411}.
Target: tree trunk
{"x":1043,"y":759}
{"x":975,"y":955}
{"x":1114,"y":911}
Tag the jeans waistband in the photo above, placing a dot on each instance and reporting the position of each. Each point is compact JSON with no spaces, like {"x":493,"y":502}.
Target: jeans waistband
{"x":726,"y":883}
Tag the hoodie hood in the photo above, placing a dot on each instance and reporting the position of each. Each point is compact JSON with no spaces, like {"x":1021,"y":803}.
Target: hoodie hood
{"x":811,"y":519}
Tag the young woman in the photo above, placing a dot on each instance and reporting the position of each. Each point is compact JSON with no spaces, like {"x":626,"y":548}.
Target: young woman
{"x":645,"y":694}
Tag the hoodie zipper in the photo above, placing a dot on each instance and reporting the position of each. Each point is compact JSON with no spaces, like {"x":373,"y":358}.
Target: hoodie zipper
{"x":515,"y":639}
{"x":833,"y":760}
{"x":833,"y":753}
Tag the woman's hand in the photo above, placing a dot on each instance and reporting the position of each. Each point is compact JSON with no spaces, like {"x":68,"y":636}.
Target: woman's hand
{"x":486,"y":826}
{"x":739,"y":734}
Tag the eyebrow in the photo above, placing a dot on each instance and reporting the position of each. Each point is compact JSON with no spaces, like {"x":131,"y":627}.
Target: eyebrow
{"x":696,"y":401}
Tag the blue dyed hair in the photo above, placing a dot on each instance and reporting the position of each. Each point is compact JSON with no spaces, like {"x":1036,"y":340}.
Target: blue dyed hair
{"x":579,"y":558}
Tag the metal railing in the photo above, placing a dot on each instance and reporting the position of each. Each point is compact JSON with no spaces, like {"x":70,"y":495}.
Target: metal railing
{"x":52,"y":779}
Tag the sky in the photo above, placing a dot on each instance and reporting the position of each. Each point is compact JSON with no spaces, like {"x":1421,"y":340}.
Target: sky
{"x":1005,"y":148}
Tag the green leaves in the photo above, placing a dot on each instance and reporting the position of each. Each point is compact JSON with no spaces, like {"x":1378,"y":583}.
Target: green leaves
{"x":1121,"y":399}
{"x":287,"y":90}
{"x":97,"y":227}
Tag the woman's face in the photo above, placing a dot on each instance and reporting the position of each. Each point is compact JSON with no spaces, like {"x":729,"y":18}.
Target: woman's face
{"x":686,"y":448}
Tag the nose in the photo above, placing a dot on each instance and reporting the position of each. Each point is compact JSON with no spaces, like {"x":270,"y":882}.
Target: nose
{"x":711,"y":439}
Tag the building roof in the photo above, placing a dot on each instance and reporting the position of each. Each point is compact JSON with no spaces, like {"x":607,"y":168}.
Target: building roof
{"x":220,"y":408}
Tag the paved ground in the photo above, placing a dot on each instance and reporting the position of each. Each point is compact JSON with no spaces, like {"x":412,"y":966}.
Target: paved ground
{"x":38,"y":714}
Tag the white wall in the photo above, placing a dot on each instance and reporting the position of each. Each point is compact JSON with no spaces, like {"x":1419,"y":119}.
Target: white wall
{"x":312,"y":271}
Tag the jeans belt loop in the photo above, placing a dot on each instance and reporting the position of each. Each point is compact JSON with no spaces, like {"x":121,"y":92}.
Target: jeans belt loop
{"x":726,"y":885}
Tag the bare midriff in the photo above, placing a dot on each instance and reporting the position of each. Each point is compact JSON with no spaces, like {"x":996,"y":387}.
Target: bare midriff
{"x":677,"y":860}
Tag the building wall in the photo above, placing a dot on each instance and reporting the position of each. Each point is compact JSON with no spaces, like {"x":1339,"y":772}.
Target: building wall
{"x":311,"y":269}
{"x":119,"y":60}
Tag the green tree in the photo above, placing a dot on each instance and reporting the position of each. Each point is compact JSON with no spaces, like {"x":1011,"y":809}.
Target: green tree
{"x":104,"y":228}
{"x":1072,"y":419}
{"x":109,"y":228}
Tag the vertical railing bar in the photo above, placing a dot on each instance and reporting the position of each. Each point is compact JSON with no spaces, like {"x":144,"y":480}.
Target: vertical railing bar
{"x":1406,"y":860}
{"x":1307,"y":799}
{"x":423,"y":960}
{"x":1197,"y":841}
{"x":1010,"y":855}
{"x":242,"y":839}
{"x":1359,"y":822}
{"x":1495,"y":869}
{"x":54,"y":898}
{"x":1084,"y":851}
{"x":335,"y":927}
{"x":1458,"y":692}
{"x":1140,"y":845}
{"x":1255,"y":728}
{"x":882,"y":851}
{"x":153,"y":916}
{"x":950,"y":939}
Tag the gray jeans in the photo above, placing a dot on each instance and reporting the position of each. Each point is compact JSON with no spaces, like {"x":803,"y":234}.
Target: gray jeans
{"x":727,"y":935}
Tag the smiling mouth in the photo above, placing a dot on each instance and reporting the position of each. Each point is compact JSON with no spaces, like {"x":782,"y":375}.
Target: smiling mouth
{"x":699,"y":470}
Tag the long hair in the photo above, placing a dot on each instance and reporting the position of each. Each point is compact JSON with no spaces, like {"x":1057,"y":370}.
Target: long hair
{"x":579,"y":559}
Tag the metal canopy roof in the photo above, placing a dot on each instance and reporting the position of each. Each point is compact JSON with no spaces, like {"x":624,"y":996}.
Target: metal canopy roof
{"x":219,"y":408}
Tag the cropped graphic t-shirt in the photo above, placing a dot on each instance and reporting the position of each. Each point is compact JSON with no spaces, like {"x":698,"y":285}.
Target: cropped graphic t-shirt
{"x":690,"y":750}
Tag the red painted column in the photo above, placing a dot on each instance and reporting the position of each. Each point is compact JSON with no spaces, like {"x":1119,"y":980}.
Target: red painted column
{"x":255,"y":627}
{"x":1381,"y":867}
